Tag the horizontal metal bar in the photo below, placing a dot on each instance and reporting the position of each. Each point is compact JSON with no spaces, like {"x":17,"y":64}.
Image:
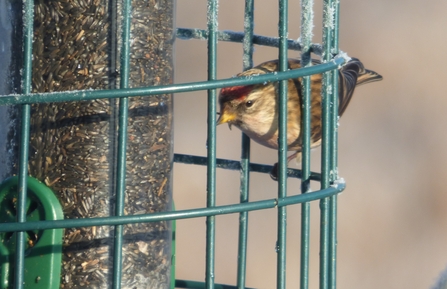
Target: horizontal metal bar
{"x":166,"y":89}
{"x":336,"y":188}
{"x":236,"y":166}
{"x":200,"y":285}
{"x":231,"y":36}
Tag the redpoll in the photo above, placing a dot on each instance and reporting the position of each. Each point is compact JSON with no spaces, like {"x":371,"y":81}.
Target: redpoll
{"x":254,"y":108}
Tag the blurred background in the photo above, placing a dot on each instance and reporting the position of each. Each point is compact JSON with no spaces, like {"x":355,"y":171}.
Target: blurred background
{"x":393,"y":215}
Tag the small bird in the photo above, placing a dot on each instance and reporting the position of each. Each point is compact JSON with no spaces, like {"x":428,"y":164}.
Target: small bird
{"x":254,"y":108}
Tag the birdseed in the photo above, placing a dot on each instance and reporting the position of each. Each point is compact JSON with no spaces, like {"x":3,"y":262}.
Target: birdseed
{"x":73,"y":145}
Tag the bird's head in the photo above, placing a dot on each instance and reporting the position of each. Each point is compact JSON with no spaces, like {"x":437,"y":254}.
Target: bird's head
{"x":234,"y":101}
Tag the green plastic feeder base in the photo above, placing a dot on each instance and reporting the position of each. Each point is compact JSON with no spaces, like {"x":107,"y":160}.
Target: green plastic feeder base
{"x":43,"y":256}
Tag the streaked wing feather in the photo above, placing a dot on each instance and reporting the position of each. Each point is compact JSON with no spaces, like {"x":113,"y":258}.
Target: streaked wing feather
{"x":352,"y":75}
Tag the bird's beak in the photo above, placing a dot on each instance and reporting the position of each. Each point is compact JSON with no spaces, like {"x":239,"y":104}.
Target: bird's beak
{"x":226,"y":117}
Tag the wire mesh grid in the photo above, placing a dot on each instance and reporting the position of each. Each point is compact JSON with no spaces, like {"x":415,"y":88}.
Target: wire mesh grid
{"x":330,"y":182}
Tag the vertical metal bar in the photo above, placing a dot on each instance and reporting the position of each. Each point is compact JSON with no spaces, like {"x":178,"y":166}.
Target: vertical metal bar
{"x":211,"y":149}
{"x":247,"y":58}
{"x":324,"y":213}
{"x":282,"y":146}
{"x":334,"y":159}
{"x":306,"y":42}
{"x":122,"y":145}
{"x":328,"y":23}
{"x":245,"y":153}
{"x":334,"y":111}
{"x":28,"y":20}
{"x":332,"y":270}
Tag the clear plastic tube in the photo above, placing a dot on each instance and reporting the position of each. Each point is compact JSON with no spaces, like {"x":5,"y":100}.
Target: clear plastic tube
{"x":73,"y":145}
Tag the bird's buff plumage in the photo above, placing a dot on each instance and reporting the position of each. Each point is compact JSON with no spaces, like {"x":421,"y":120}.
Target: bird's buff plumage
{"x":254,"y":108}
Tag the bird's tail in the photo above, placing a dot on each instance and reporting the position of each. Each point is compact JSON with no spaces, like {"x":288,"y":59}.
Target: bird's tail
{"x":368,"y":76}
{"x":351,"y":75}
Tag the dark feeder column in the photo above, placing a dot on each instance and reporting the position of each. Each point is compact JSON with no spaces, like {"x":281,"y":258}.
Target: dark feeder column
{"x":77,"y":45}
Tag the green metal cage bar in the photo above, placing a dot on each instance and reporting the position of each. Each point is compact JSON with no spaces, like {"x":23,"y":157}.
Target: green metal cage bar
{"x":247,"y":63}
{"x":334,"y":159}
{"x":330,"y":184}
{"x":334,"y":189}
{"x":327,"y":215}
{"x":325,"y":147}
{"x":211,"y":145}
{"x":120,"y":185}
{"x":306,"y":38}
{"x":28,"y":98}
{"x":282,"y":146}
{"x":231,"y":36}
{"x":28,"y":18}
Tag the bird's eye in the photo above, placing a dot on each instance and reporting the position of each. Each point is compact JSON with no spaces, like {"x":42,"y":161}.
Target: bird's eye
{"x":249,"y":103}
